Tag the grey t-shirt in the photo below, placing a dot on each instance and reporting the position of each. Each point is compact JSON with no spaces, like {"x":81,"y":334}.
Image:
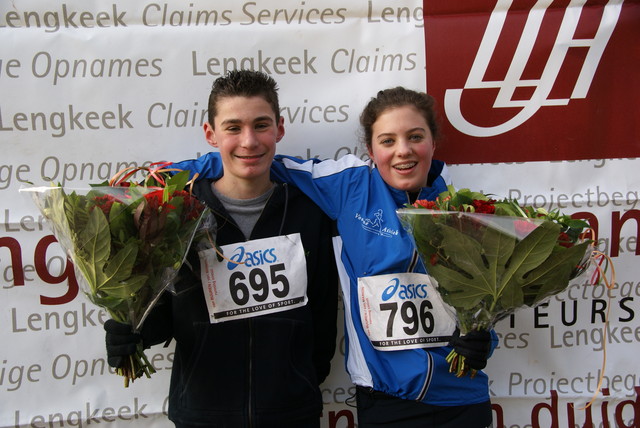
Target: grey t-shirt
{"x":244,"y":211}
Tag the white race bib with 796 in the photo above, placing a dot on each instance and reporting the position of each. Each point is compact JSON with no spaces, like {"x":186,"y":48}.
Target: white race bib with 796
{"x":254,"y":278}
{"x":404,"y":311}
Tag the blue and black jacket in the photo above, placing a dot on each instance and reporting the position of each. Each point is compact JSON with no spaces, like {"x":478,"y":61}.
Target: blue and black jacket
{"x":352,"y":192}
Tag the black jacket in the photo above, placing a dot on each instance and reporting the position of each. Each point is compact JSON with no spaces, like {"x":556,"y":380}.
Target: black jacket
{"x":262,"y":371}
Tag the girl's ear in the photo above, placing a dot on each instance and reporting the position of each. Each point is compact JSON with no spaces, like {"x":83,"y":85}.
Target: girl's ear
{"x":370,"y":152}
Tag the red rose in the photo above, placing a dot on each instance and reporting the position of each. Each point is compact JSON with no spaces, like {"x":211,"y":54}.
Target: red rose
{"x":104,"y":203}
{"x":156,"y":196}
{"x":484,"y":207}
{"x":524,"y":227}
{"x":423,"y":203}
{"x":433,"y":260}
{"x":564,"y":240}
{"x":191,"y":206}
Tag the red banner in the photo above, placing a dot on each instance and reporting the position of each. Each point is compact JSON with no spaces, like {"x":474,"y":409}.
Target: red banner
{"x":530,"y":80}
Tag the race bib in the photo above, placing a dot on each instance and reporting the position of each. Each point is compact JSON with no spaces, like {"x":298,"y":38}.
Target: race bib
{"x":254,"y":278}
{"x":404,"y":311}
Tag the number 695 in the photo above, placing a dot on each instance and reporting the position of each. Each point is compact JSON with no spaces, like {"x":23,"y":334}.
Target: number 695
{"x":259,"y":283}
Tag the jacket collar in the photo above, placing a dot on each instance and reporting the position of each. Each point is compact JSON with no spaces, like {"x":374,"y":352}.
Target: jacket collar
{"x":435,"y":185}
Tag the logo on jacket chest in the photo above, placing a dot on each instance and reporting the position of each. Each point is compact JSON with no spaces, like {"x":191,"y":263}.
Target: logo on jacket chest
{"x":375,"y":224}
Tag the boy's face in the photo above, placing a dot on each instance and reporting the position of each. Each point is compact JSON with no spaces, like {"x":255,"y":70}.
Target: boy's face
{"x":246,"y":132}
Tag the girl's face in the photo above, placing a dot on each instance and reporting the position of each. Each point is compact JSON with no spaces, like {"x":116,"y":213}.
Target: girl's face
{"x":402,"y":147}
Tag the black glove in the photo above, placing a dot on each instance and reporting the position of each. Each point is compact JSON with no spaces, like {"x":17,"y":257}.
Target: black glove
{"x":474,"y":346}
{"x":121,"y":342}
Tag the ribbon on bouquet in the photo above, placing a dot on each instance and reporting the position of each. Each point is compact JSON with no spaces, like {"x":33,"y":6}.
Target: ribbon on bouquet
{"x":598,"y":258}
{"x":153,"y":170}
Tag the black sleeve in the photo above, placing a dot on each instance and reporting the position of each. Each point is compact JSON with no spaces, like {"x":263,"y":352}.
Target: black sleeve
{"x":324,"y":300}
{"x":157,"y":327}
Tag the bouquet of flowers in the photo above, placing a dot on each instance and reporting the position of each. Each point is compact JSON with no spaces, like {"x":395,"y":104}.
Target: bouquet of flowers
{"x":491,"y":257}
{"x":126,"y":240}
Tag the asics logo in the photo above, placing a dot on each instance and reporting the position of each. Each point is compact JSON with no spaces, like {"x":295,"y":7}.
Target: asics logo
{"x":255,"y":258}
{"x":405,"y":291}
{"x":513,"y":79}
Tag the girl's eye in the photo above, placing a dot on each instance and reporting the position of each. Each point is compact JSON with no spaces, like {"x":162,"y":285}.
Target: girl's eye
{"x":386,"y":141}
{"x":416,"y":137}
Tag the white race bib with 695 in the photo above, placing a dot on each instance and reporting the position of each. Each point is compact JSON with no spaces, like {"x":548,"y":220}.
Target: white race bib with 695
{"x":404,"y":311}
{"x":254,"y":278}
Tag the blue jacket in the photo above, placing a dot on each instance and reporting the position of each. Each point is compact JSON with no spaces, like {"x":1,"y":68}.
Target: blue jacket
{"x":351,"y":191}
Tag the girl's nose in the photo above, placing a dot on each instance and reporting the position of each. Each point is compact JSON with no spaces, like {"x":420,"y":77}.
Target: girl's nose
{"x":403,"y":148}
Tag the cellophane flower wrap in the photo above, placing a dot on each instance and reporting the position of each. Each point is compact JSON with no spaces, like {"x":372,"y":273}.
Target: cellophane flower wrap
{"x":491,"y":257}
{"x":127,"y":240}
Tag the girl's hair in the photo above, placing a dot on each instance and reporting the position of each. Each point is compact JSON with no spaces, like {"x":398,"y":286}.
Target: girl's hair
{"x":243,"y":83}
{"x":397,"y":97}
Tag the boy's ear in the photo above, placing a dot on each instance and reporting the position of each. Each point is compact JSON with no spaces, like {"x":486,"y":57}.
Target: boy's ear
{"x":280,"y":133}
{"x":210,"y":134}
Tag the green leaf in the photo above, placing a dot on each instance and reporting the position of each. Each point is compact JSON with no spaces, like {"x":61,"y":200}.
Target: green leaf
{"x":76,"y":212}
{"x":527,"y":255}
{"x":112,"y":303}
{"x":425,"y":234}
{"x":124,"y":289}
{"x":121,"y":222}
{"x":457,"y":290}
{"x":509,"y":208}
{"x":94,"y":247}
{"x":465,"y":253}
{"x":121,"y":264}
{"x":577,"y":224}
{"x":553,"y":275}
{"x":178,"y":181}
{"x":467,"y":278}
{"x":498,"y":249}
{"x":482,"y":266}
{"x":53,"y":208}
{"x":116,"y":281}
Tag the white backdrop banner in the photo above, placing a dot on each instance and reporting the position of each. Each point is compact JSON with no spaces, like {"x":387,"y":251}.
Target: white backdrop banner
{"x":90,"y":87}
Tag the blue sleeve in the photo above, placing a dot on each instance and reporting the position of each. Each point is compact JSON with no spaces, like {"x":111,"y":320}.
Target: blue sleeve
{"x":329,"y":183}
{"x":206,"y":166}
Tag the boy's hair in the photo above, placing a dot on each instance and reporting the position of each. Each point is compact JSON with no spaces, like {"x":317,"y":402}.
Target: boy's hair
{"x":243,"y":83}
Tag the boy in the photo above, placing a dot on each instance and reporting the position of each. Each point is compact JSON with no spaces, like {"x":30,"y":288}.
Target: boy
{"x":261,"y":369}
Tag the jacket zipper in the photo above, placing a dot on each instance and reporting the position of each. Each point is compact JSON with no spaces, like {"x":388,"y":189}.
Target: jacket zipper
{"x":284,"y":214}
{"x":427,"y":379}
{"x":250,"y":409}
{"x":411,"y":268}
{"x":284,"y":210}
